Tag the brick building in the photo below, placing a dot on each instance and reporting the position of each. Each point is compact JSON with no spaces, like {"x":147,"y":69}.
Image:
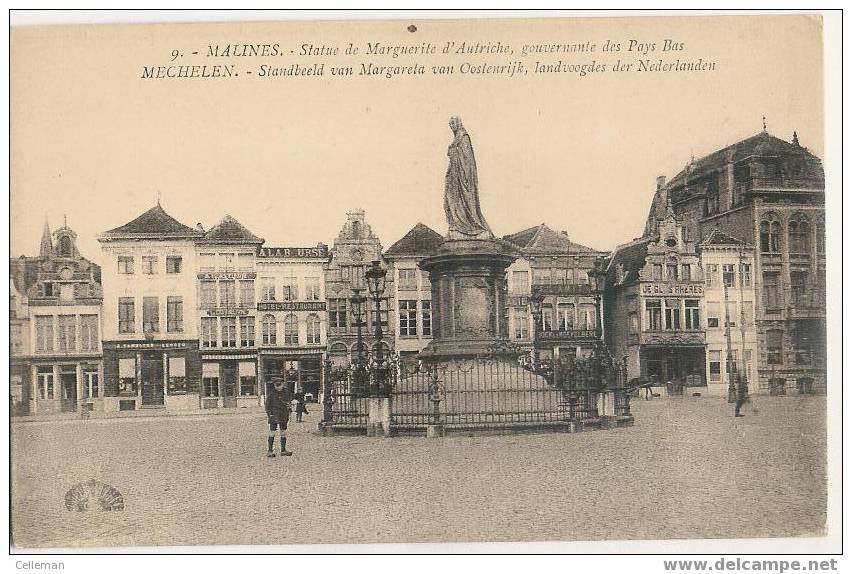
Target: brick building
{"x":768,"y":193}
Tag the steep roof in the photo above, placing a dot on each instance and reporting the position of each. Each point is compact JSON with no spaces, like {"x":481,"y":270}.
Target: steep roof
{"x":631,"y":256}
{"x":420,"y":240}
{"x":229,"y":230}
{"x":542,"y":239}
{"x":154,"y":223}
{"x":762,"y":144}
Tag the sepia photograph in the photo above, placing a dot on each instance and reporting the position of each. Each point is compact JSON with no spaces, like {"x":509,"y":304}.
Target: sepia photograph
{"x":425,"y":282}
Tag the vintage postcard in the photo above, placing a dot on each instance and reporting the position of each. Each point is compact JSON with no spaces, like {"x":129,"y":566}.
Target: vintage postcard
{"x":423,"y":280}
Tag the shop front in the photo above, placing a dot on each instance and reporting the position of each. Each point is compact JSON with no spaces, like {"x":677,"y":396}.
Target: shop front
{"x":302,"y":370}
{"x":229,"y":380}
{"x":151,"y":375}
{"x":59,"y":385}
{"x":674,"y":369}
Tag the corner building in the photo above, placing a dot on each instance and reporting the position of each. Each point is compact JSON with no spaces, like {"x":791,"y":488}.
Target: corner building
{"x":768,"y":193}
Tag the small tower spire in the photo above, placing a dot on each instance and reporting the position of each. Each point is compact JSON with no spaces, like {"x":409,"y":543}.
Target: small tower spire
{"x":795,"y":139}
{"x":46,"y":248}
{"x":764,"y":124}
{"x":64,"y":220}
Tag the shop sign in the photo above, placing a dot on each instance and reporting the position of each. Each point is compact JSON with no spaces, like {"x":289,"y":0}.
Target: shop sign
{"x":696,"y":289}
{"x":228,"y":275}
{"x":291,"y":306}
{"x":320,"y":252}
{"x":158,"y":345}
{"x":560,"y":336}
{"x":227,"y":311}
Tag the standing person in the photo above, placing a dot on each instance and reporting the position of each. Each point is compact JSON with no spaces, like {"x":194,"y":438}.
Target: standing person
{"x":278,"y":414}
{"x":300,"y":407}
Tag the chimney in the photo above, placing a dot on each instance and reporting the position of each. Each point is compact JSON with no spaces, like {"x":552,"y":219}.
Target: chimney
{"x":661,"y":181}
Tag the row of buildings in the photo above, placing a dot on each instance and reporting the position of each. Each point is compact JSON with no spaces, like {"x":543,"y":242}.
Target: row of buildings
{"x":729,"y":274}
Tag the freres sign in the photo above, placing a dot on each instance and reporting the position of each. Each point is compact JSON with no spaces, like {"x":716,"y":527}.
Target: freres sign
{"x":695,"y":289}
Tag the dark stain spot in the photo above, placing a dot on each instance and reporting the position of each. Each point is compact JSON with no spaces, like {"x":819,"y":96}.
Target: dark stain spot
{"x":412,"y":28}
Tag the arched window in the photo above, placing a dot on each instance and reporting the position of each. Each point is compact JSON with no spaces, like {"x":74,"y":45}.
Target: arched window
{"x":799,"y":233}
{"x":770,"y":232}
{"x":313,"y":329}
{"x":269,"y":335}
{"x":291,"y":330}
{"x":65,"y":249}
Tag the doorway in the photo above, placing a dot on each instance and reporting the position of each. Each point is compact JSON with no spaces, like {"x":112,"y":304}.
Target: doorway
{"x":152,"y":380}
{"x":228,"y":373}
{"x":68,"y":388}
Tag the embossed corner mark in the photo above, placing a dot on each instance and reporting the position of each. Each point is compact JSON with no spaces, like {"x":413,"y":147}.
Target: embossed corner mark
{"x":93,"y":494}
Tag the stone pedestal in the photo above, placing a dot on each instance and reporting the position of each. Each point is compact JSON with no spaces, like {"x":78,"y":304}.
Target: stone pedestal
{"x":468,"y":278}
{"x":606,"y":404}
{"x":378,"y":416}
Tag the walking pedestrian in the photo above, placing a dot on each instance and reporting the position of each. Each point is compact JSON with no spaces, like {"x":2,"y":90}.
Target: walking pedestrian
{"x":278,"y":414}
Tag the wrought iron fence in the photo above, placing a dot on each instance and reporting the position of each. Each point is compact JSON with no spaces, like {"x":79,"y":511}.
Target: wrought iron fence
{"x":344,"y":400}
{"x":479,"y":391}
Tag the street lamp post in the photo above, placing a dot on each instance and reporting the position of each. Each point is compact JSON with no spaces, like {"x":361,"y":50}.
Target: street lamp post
{"x":357,"y":301}
{"x":376,"y":276}
{"x":597,"y":278}
{"x":536,"y":300}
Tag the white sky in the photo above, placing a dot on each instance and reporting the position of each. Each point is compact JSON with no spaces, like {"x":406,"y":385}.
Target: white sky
{"x":91,"y":140}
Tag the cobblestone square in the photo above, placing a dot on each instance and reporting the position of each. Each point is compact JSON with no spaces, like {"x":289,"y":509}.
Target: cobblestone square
{"x":687,"y":469}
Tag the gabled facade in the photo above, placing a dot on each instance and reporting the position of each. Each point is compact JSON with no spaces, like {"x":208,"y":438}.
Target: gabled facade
{"x":226,"y":274}
{"x":55,"y":329}
{"x":150,"y":336}
{"x":557,"y":268}
{"x":768,"y":193}
{"x":355,"y":247}
{"x":412,"y":290}
{"x":654,"y":296}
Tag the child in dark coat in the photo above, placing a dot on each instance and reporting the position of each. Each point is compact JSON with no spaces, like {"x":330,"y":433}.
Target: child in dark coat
{"x":278,"y":414}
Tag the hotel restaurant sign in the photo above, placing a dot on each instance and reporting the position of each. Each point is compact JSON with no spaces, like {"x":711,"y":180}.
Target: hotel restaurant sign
{"x":666,"y":289}
{"x":318,"y":252}
{"x":291,"y":306}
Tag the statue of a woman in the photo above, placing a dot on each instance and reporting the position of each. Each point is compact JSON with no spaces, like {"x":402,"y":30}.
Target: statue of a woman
{"x":461,"y":189}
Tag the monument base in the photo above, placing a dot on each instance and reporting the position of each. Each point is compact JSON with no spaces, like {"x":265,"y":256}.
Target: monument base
{"x":468,"y":278}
